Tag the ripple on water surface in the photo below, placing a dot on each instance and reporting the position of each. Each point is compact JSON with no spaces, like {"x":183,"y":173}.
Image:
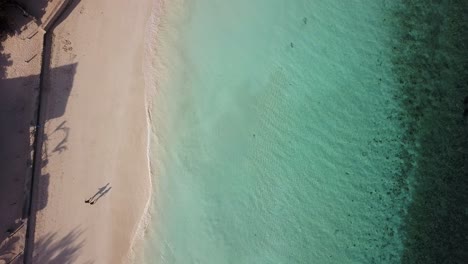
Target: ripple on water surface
{"x":289,"y":136}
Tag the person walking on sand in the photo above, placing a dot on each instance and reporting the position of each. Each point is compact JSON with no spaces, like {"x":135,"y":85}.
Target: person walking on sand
{"x":100,"y":191}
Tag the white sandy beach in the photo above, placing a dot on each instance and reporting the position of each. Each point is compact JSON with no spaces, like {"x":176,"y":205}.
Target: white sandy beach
{"x":96,"y":133}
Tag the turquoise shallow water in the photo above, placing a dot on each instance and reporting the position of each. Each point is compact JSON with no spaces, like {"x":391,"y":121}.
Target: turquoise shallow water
{"x":281,"y":134}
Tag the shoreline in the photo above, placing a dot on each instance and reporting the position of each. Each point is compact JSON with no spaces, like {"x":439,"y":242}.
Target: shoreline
{"x":138,"y":239}
{"x":151,"y":29}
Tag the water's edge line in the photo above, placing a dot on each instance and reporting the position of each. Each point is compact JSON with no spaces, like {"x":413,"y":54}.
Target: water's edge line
{"x":149,"y":88}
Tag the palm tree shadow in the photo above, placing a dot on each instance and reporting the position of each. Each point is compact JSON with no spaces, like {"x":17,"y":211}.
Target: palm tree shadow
{"x":53,"y":249}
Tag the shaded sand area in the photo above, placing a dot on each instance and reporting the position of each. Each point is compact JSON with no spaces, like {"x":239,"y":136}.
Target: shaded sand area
{"x":91,"y":133}
{"x":21,"y":47}
{"x":20,"y":63}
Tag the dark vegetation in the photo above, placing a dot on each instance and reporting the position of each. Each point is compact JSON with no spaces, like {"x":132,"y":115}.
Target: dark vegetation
{"x":5,"y":29}
{"x":3,"y":16}
{"x":53,"y":249}
{"x":430,"y":60}
{"x":10,"y":26}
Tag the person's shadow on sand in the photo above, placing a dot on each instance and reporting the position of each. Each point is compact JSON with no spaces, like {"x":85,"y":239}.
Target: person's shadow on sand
{"x":100,"y":193}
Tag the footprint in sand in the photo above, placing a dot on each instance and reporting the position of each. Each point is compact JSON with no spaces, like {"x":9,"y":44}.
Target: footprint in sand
{"x":67,"y":45}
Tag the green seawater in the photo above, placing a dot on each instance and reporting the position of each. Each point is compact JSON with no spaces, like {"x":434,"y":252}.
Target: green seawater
{"x":309,"y":131}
